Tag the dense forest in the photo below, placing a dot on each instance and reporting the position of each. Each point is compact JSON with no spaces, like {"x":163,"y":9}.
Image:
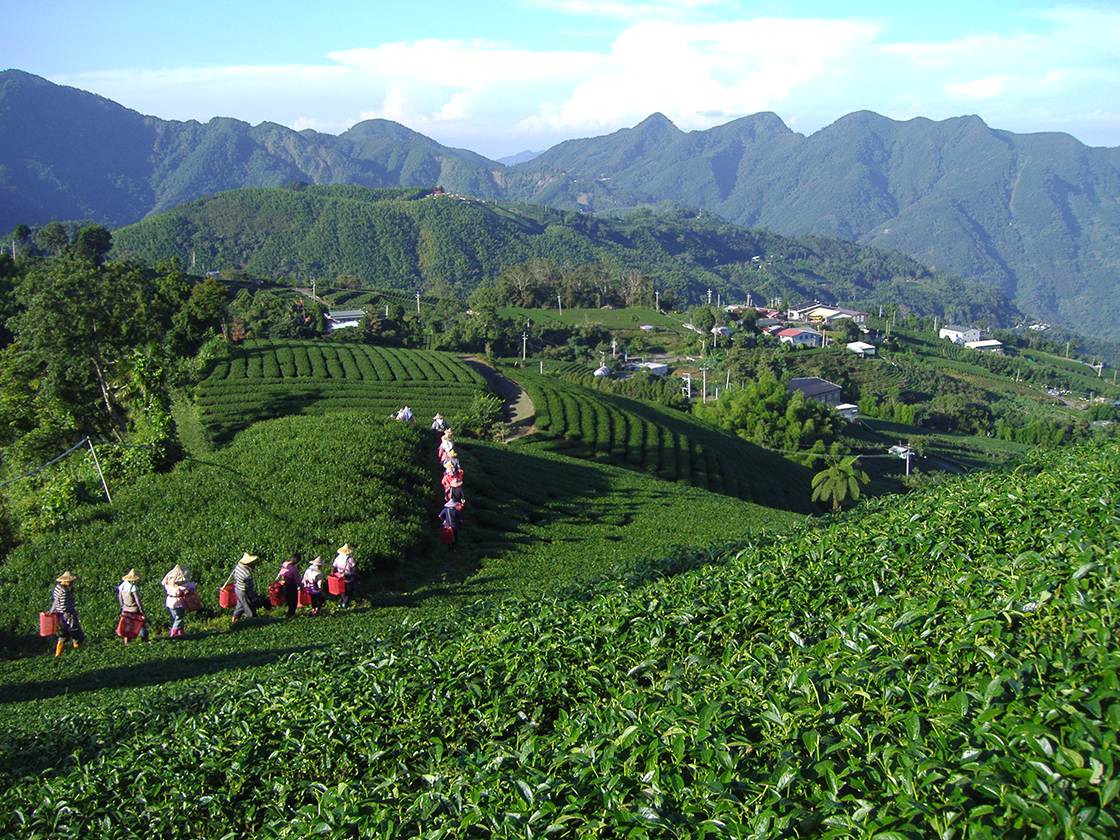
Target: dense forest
{"x":412,"y":240}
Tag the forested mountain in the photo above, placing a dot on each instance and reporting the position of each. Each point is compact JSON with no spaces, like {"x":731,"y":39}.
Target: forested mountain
{"x":414,"y":239}
{"x":70,"y":154}
{"x":1035,"y":216}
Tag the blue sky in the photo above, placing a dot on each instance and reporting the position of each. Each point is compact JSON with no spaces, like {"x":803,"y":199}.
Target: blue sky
{"x":502,"y":76}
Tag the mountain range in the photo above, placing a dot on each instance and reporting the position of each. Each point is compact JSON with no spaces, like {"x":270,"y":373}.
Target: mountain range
{"x":1036,"y":216}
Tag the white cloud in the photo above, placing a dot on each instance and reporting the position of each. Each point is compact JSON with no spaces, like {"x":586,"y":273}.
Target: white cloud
{"x":694,"y":71}
{"x":989,"y":87}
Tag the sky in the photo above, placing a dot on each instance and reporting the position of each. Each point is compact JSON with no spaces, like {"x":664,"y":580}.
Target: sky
{"x":500,"y":77}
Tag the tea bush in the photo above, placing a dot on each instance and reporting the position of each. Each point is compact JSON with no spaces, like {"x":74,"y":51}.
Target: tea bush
{"x":942,"y":665}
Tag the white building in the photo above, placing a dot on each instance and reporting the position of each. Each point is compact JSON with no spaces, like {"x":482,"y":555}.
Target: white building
{"x":959,"y":335}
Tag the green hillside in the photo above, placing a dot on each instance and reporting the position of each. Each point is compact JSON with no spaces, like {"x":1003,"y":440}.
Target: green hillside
{"x":671,"y":445}
{"x":940,"y":665}
{"x":409,"y":239}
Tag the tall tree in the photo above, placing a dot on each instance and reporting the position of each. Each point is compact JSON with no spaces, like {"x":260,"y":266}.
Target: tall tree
{"x":79,"y":320}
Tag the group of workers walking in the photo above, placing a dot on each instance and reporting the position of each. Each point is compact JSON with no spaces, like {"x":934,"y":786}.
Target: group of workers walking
{"x":454,"y":498}
{"x":181,"y":596}
{"x":290,"y":588}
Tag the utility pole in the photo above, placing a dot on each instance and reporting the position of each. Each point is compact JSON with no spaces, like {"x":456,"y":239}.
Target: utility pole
{"x":614,"y":348}
{"x":709,"y":297}
{"x":657,"y":297}
{"x":704,"y":390}
{"x":688,"y":382}
{"x":524,"y":339}
{"x":417,"y":303}
{"x":559,"y":305}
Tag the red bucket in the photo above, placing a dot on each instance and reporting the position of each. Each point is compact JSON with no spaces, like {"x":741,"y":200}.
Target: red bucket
{"x":129,"y":625}
{"x":336,"y":585}
{"x":304,"y":597}
{"x":48,"y":624}
{"x":192,"y":600}
{"x":227,"y":597}
{"x":276,"y":593}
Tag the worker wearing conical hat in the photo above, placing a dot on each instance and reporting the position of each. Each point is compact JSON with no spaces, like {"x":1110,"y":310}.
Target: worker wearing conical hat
{"x":128,"y":596}
{"x":63,"y":605}
{"x":315,"y":584}
{"x":346,"y":568}
{"x":244,"y":587}
{"x":175,"y":584}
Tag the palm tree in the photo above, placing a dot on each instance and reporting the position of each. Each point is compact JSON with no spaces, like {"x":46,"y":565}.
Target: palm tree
{"x":842,"y":480}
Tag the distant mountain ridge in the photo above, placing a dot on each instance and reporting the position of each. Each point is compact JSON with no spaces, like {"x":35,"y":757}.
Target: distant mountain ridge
{"x":1037,"y":216}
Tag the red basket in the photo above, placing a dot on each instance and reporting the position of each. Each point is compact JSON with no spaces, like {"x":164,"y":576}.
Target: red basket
{"x":129,"y":625}
{"x":336,"y":585}
{"x":48,"y":624}
{"x":304,"y":597}
{"x":447,"y":534}
{"x":192,"y":600}
{"x":276,"y":593}
{"x":227,"y":597}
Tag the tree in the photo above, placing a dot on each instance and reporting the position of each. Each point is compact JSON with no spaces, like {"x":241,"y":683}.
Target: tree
{"x":52,"y":237}
{"x":92,"y":244}
{"x":841,"y":480}
{"x":79,"y":321}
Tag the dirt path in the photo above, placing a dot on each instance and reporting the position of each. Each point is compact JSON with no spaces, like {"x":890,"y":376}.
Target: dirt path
{"x":520,"y":411}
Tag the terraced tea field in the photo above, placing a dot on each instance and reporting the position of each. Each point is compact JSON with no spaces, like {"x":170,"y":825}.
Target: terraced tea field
{"x":270,"y":378}
{"x":668,"y":444}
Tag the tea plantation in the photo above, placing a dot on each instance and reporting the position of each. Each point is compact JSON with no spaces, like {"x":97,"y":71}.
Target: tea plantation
{"x":268,"y":378}
{"x":672,"y":445}
{"x":942,"y":664}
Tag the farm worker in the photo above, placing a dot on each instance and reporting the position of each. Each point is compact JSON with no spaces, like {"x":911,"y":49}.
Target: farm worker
{"x":451,"y":517}
{"x":439,"y":424}
{"x":446,"y":444}
{"x":451,"y":461}
{"x":346,"y":568}
{"x":128,"y":596}
{"x":452,"y":482}
{"x":406,"y":414}
{"x":244,"y":587}
{"x":314,"y":583}
{"x":175,"y":584}
{"x":290,"y":577}
{"x":62,"y":604}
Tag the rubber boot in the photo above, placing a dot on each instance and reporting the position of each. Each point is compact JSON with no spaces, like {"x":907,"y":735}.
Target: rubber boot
{"x":58,"y":646}
{"x":77,"y":645}
{"x":126,"y":640}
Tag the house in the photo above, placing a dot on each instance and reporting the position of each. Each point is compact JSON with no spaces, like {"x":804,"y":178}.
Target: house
{"x":817,"y":389}
{"x":817,"y":311}
{"x":849,"y":411}
{"x":656,"y":368}
{"x":861,"y":348}
{"x":799,"y":337}
{"x":959,"y":335}
{"x":339,"y":318}
{"x":602,"y":371}
{"x":989,"y":345}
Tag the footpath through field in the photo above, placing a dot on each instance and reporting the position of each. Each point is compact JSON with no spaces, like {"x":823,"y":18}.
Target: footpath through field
{"x":520,"y":411}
